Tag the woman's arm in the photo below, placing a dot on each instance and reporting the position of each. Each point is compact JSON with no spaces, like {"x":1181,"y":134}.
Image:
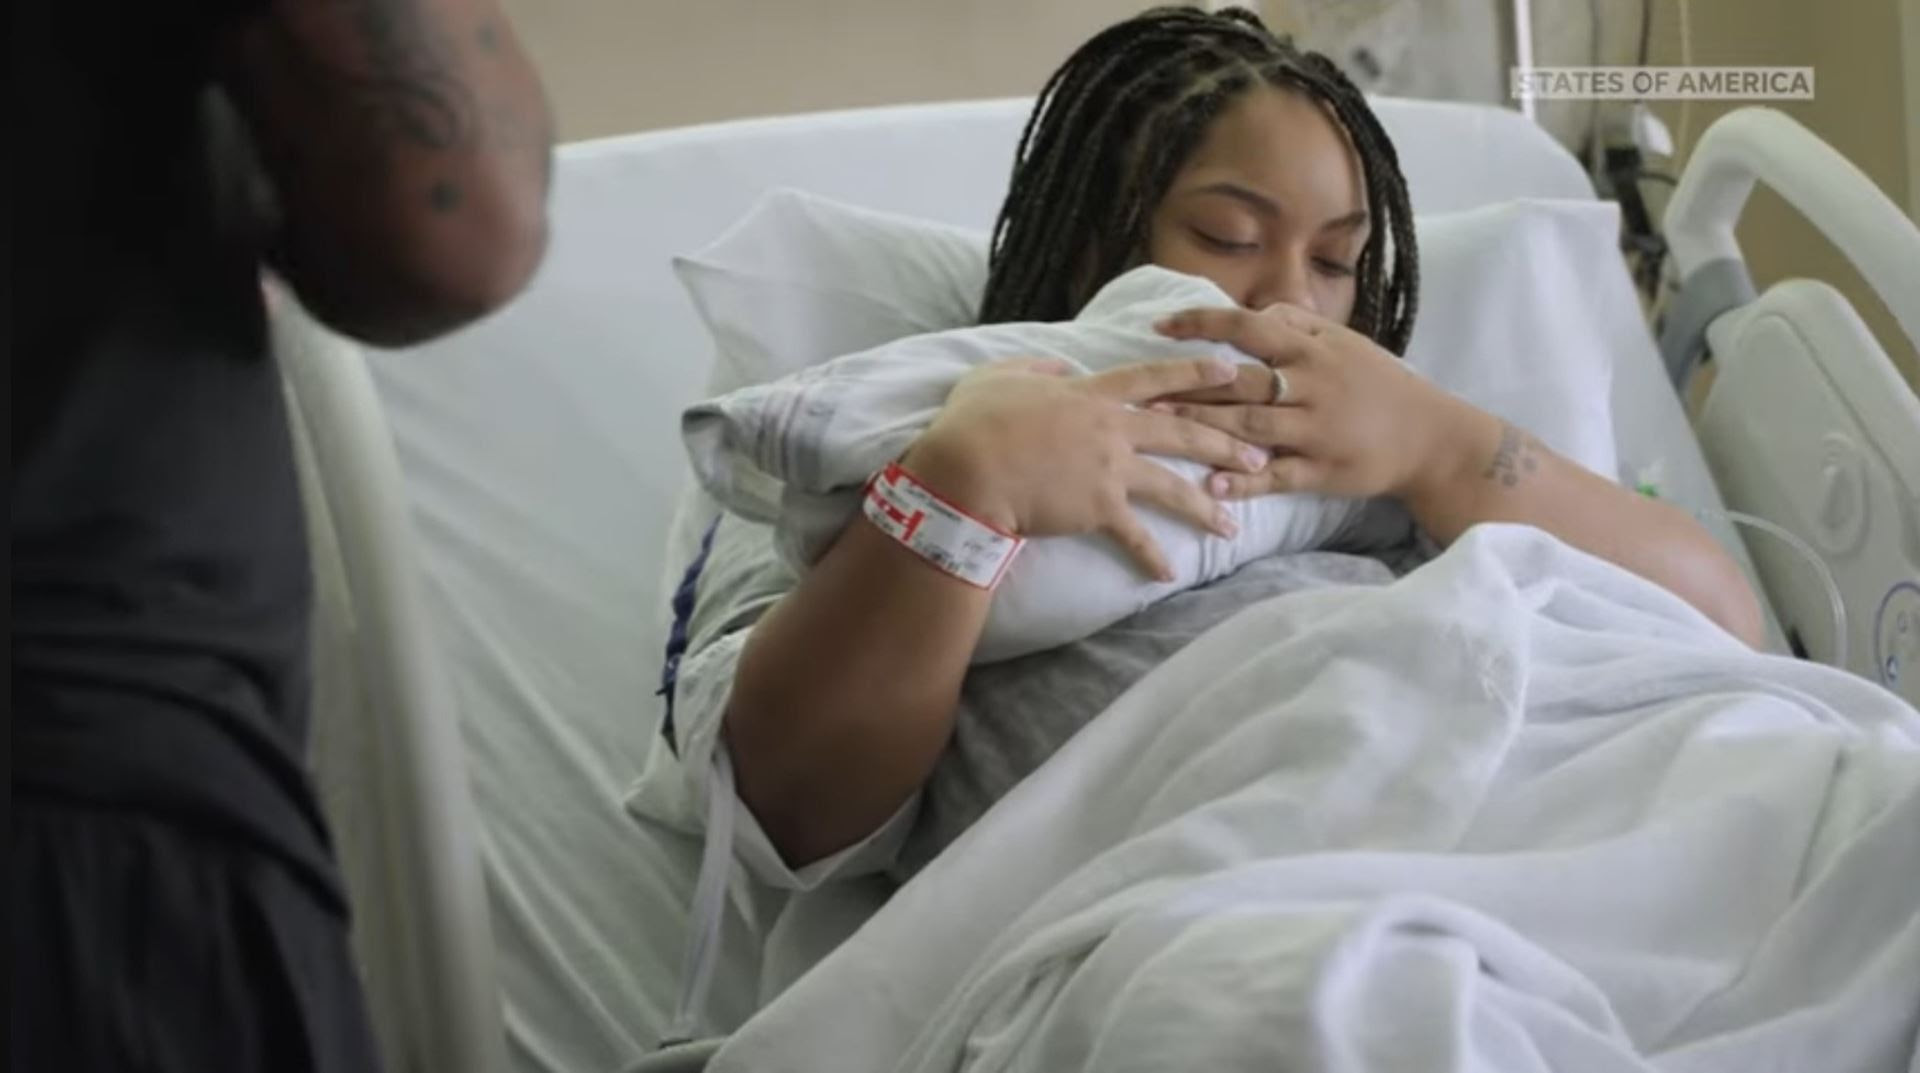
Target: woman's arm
{"x":845,"y":694}
{"x":1357,"y":422}
{"x":846,"y":690}
{"x":1497,"y":472}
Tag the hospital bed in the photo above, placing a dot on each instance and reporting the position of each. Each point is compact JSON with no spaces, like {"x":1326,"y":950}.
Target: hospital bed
{"x":491,"y":521}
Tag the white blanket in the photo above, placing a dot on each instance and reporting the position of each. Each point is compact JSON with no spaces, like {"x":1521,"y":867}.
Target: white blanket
{"x":1518,"y":811}
{"x":795,"y":452}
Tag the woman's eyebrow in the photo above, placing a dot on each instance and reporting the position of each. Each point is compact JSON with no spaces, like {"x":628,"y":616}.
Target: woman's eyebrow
{"x":1350,"y":222}
{"x":1255,"y":200}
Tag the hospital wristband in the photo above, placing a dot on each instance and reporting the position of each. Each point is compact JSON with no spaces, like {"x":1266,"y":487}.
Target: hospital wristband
{"x":941,"y":533}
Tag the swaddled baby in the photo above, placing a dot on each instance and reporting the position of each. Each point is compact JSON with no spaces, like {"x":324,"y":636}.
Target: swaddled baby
{"x":797,"y":452}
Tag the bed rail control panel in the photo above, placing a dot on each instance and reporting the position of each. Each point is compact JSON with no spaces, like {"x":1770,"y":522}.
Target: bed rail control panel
{"x":1793,"y":435}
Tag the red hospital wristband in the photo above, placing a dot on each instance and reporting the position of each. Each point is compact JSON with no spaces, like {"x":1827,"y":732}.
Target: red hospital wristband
{"x":941,"y":533}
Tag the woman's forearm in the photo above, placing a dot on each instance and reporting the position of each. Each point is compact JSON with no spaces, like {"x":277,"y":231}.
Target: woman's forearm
{"x":1501,"y":473}
{"x":845,"y":694}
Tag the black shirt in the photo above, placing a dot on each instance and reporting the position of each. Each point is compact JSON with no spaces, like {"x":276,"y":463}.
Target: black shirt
{"x":160,"y":574}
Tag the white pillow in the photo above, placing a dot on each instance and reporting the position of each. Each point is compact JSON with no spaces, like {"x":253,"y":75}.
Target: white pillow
{"x":1522,"y":306}
{"x":802,"y":279}
{"x":1522,"y":303}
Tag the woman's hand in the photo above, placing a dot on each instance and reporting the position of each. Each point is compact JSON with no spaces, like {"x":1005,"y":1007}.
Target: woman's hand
{"x":1354,"y":421}
{"x":1038,"y":452}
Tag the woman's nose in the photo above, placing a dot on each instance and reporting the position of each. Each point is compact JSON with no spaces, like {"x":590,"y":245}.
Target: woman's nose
{"x":1289,"y":281}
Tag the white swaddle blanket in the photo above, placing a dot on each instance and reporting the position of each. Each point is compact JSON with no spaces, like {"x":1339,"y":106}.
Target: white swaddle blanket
{"x":795,"y":453}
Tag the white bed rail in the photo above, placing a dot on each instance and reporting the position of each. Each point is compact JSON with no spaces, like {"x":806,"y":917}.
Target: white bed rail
{"x":387,"y":748}
{"x":1808,"y":424}
{"x":1764,"y":145}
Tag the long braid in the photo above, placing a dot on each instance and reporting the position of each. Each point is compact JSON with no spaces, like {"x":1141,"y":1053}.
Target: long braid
{"x":1082,"y":197}
{"x":1060,"y":161}
{"x":1055,"y":147}
{"x":1170,"y":137}
{"x":1115,"y":123}
{"x":1392,"y":302}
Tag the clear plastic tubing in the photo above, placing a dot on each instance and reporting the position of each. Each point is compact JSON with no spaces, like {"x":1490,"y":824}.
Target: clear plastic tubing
{"x":1836,"y":605}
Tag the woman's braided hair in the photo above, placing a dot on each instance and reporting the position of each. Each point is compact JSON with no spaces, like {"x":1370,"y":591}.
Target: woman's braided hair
{"x":1116,"y":122}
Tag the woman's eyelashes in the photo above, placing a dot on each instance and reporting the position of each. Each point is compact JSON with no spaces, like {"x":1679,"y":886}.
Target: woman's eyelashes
{"x":1332,"y":267}
{"x":1223,"y":245}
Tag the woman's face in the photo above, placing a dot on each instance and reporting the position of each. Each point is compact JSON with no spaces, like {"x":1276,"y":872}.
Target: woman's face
{"x":1270,"y":207}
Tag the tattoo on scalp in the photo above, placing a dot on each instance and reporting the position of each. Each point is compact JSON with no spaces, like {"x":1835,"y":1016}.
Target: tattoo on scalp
{"x":1516,"y":455}
{"x":404,"y":83}
{"x":409,"y":86}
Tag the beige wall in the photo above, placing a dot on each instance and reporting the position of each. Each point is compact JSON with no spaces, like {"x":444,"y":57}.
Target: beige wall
{"x":613,"y":66}
{"x":1910,"y":63}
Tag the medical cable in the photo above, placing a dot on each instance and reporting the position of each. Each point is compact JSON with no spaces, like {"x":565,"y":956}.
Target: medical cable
{"x":1836,"y":604}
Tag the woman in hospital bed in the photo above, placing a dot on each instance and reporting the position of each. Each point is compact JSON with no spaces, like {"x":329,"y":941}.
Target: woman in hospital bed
{"x":860,"y":738}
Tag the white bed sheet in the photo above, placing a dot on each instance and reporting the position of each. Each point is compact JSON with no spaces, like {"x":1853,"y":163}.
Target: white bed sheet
{"x":1522,"y":811}
{"x":540,"y":452}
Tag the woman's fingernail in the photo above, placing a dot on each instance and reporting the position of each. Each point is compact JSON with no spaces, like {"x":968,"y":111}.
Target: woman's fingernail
{"x":1253,"y":458}
{"x":1219,"y":371}
{"x":1224,"y":525}
{"x":1217,"y":484}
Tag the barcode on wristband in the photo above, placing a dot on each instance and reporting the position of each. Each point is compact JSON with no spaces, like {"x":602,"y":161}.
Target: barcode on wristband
{"x":951,"y":539}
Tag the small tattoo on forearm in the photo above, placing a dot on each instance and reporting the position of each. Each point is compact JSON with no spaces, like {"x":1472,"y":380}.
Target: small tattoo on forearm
{"x":1517,"y":455}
